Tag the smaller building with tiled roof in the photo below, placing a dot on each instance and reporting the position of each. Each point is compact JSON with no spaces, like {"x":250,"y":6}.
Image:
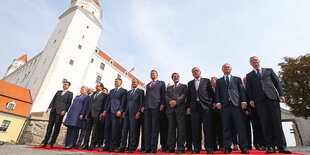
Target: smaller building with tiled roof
{"x":15,"y":104}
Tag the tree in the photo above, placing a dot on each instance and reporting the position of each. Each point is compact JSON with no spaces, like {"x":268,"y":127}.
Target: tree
{"x":295,"y":78}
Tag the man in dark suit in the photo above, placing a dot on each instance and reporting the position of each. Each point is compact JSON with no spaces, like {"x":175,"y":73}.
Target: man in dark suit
{"x":58,"y":108}
{"x":217,"y":123}
{"x":153,"y":105}
{"x":95,"y":109}
{"x":200,"y":99}
{"x":113,"y":110}
{"x":134,"y":102}
{"x":265,"y":92}
{"x":231,"y":99}
{"x":176,"y":113}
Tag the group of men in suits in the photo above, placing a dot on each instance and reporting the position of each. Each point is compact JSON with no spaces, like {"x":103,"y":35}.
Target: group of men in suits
{"x":180,"y":112}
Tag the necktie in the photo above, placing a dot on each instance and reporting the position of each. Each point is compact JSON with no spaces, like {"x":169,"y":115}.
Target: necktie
{"x":227,"y":80}
{"x":152,"y":84}
{"x":196,"y":84}
{"x":132,"y":92}
{"x":258,"y":73}
{"x":96,"y":95}
{"x":116,"y":89}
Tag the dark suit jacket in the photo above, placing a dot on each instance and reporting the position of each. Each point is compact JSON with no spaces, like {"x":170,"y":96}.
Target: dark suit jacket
{"x":179,"y":95}
{"x":205,"y":94}
{"x":155,"y":96}
{"x":234,"y":91}
{"x":134,"y":102}
{"x":269,"y":85}
{"x":116,"y":100}
{"x":61,"y":103}
{"x":96,"y":105}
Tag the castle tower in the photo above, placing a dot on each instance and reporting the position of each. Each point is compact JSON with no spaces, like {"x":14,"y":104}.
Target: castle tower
{"x":67,"y":53}
{"x":16,"y":64}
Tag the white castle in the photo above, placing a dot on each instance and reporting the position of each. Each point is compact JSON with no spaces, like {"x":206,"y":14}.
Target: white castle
{"x":70,"y":54}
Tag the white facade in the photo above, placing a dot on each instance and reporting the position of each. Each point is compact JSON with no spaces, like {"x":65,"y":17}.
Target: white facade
{"x":70,"y":54}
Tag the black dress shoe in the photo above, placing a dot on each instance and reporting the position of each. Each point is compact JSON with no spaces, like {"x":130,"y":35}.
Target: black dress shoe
{"x":104,"y":149}
{"x":221,"y":149}
{"x":189,"y":149}
{"x":91,"y":148}
{"x":120,"y":150}
{"x":164,"y":149}
{"x":259,"y":148}
{"x":209,"y":151}
{"x":245,"y":151}
{"x":227,"y":150}
{"x":180,"y":151}
{"x":250,"y":147}
{"x":284,"y":150}
{"x":170,"y":151}
{"x":196,"y":151}
{"x":270,"y":150}
{"x":263,"y":147}
{"x":111,"y":150}
{"x":153,"y":151}
{"x":66,"y":148}
{"x":130,"y":151}
{"x":83,"y":147}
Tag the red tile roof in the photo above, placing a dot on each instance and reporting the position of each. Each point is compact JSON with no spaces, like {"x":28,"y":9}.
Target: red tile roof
{"x":23,"y":58}
{"x":14,"y":91}
{"x":117,"y":65}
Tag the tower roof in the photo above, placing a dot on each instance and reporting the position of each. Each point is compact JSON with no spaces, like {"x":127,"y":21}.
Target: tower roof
{"x":23,"y":58}
{"x":97,"y":2}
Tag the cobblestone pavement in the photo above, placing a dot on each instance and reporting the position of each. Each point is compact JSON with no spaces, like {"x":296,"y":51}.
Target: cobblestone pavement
{"x":22,"y":150}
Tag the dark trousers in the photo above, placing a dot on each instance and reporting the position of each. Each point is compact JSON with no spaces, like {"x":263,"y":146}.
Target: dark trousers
{"x":218,"y":133}
{"x":258,"y":137}
{"x":141,"y":123}
{"x":82,"y":134}
{"x":93,"y":128}
{"x":134,"y":132}
{"x":71,"y":136}
{"x":112,"y":130}
{"x":247,"y":122}
{"x":234,"y":133}
{"x":205,"y":117}
{"x":163,"y":130}
{"x":101,"y":133}
{"x":54,"y":121}
{"x":125,"y":132}
{"x":176,"y":121}
{"x":189,"y":144}
{"x":151,"y":128}
{"x":231,"y":113}
{"x":269,"y":114}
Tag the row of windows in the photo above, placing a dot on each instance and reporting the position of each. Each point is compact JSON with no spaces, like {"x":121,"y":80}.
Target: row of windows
{"x":99,"y":78}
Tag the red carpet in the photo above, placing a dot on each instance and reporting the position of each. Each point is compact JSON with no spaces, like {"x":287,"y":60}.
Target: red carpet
{"x":58,"y":148}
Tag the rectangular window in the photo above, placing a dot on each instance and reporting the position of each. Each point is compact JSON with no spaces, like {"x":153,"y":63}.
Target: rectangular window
{"x":98,"y":79}
{"x":102,"y":66}
{"x":71,"y":62}
{"x":5,"y":125}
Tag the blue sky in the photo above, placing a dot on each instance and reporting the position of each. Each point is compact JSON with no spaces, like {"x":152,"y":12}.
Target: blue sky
{"x":170,"y":35}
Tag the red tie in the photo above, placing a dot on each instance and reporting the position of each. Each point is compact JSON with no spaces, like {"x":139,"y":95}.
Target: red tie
{"x":152,"y":84}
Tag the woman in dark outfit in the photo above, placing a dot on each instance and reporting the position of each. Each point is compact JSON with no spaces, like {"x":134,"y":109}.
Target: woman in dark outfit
{"x":75,"y":116}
